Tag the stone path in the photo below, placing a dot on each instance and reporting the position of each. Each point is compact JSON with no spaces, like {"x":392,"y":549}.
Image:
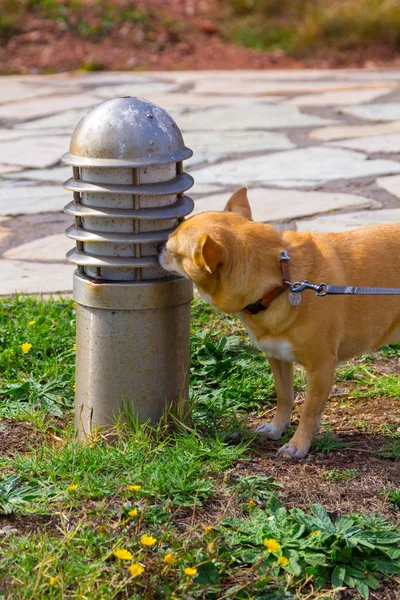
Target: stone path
{"x":317,"y":149}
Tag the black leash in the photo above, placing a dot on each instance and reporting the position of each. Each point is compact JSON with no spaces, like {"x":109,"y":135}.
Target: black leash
{"x":323,"y":289}
{"x":320,"y":289}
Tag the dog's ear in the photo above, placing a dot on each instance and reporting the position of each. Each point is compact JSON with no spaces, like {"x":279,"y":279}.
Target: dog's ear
{"x":208,"y":253}
{"x":239,"y":203}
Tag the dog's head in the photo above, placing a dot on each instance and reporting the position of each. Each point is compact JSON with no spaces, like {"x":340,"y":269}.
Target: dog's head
{"x":220,"y":253}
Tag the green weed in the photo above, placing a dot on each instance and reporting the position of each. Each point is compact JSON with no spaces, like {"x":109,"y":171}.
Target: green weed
{"x":326,"y":442}
{"x":353,"y":551}
{"x":340,"y":475}
{"x":394,"y":497}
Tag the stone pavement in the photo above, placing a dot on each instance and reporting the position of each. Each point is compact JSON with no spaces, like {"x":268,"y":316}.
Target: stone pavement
{"x":318,"y":150}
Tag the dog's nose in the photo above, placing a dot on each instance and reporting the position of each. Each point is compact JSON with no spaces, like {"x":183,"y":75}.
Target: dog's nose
{"x":160,"y":247}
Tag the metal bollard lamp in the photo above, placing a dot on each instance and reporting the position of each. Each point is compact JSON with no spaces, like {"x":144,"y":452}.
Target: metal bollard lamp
{"x":128,"y":184}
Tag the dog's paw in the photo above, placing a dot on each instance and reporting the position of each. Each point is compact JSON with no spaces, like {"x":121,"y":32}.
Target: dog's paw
{"x":269,"y":431}
{"x":291,"y":452}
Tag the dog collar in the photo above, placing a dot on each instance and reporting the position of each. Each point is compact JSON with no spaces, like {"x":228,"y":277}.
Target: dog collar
{"x":265,"y":301}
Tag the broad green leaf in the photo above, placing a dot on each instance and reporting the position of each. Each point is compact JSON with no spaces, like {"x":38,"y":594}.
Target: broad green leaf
{"x":384,"y":566}
{"x":343,"y":524}
{"x":338,"y":576}
{"x":349,"y":580}
{"x":382,"y":537}
{"x":293,"y":564}
{"x":362,"y":588}
{"x":313,"y":558}
{"x":207,"y":574}
{"x":372,"y":582}
{"x":321,"y":514}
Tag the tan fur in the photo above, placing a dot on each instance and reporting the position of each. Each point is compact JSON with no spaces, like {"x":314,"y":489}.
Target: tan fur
{"x":233,"y":261}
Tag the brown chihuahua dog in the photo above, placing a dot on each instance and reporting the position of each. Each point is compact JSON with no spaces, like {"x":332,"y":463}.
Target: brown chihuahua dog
{"x":237,"y":264}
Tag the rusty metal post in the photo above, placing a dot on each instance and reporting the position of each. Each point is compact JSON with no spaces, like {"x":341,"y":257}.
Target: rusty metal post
{"x":128,"y":184}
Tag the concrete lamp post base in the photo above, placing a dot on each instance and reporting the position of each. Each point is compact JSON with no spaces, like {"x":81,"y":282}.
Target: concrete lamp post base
{"x":118,"y":328}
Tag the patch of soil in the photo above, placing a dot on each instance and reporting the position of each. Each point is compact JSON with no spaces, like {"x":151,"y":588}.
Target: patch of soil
{"x":17,"y":436}
{"x":305,"y":482}
{"x":361,"y":425}
{"x":172,"y":34}
{"x":25,"y":524}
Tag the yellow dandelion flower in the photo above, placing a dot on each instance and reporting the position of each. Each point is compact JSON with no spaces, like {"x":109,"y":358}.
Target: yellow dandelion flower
{"x":26,"y":347}
{"x":133,"y":488}
{"x":135,"y":569}
{"x":74,"y":346}
{"x":169,"y":558}
{"x":31,"y":323}
{"x":133,"y":512}
{"x":283,"y":561}
{"x":72,"y":488}
{"x":210,"y":547}
{"x":148,"y":540}
{"x":53,"y":580}
{"x":190,"y":571}
{"x":207,"y":528}
{"x":272,"y":545}
{"x":122,"y":554}
{"x":251,"y":504}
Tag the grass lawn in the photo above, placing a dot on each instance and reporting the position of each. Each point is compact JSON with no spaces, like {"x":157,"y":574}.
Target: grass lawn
{"x":204,"y":511}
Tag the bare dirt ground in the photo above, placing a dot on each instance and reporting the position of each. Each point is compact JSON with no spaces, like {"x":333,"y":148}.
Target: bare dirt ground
{"x":160,"y":35}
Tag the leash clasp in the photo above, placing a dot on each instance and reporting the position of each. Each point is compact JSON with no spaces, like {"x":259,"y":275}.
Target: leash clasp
{"x":300,"y":286}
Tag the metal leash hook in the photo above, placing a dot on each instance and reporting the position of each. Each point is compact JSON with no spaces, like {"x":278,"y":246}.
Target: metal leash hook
{"x":300,"y":286}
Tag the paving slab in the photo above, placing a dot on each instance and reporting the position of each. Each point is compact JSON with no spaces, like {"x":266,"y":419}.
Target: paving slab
{"x":390,"y":184}
{"x":189,"y":100}
{"x":210,"y":146}
{"x":56,"y":175}
{"x":248,"y":115}
{"x":62,"y":123}
{"x":381,"y":74}
{"x":4,"y":232}
{"x":237,"y":85}
{"x":6,"y":183}
{"x":85,"y":79}
{"x":19,"y":276}
{"x":11,"y":91}
{"x":34,"y":151}
{"x":51,"y":248}
{"x":265,"y":74}
{"x":200,"y":189}
{"x":339,"y":97}
{"x":385,"y":144}
{"x":9,"y":169}
{"x":389,"y":111}
{"x":143,"y":89}
{"x":297,"y":168}
{"x":15,"y":134}
{"x":31,"y":109}
{"x":269,"y":204}
{"x":338,"y":132}
{"x":348,"y":221}
{"x":374,"y":76}
{"x":32,"y":199}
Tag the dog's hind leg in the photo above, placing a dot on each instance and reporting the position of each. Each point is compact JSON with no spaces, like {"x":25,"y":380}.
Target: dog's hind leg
{"x":319,"y":384}
{"x":283,"y":377}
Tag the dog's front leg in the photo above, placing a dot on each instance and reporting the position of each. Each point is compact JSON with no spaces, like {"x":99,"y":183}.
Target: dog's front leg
{"x":319,"y":384}
{"x":283,"y":377}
